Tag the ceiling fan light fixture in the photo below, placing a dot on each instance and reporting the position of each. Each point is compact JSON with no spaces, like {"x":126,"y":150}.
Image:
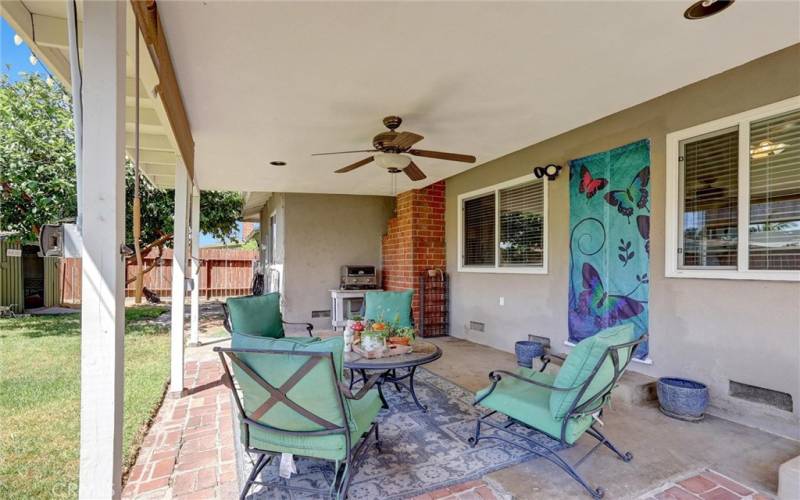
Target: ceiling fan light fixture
{"x":391,"y":161}
{"x":765,"y":149}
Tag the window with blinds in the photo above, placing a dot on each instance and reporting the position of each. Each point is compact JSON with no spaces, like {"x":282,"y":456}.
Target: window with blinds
{"x":479,"y":231}
{"x":709,"y":207}
{"x":521,"y":214}
{"x":774,"y":226}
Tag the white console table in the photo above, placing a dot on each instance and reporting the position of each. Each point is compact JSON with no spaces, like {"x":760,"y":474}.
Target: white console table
{"x":344,"y":303}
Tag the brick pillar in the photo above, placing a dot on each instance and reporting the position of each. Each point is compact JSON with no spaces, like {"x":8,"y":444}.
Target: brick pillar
{"x":414,"y":241}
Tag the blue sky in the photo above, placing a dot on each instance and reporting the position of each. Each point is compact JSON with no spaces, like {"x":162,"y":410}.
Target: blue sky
{"x":14,"y":60}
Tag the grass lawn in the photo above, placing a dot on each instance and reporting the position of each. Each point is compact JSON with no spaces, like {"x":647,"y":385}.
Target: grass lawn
{"x":40,"y":398}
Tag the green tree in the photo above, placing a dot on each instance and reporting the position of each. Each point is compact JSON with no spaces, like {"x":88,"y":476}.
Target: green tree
{"x":37,"y":170}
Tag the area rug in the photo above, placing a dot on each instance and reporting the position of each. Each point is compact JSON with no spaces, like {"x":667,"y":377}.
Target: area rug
{"x":420,"y":451}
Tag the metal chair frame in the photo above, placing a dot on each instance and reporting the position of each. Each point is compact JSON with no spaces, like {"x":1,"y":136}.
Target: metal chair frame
{"x":229,"y":327}
{"x":343,"y":469}
{"x":591,"y":407}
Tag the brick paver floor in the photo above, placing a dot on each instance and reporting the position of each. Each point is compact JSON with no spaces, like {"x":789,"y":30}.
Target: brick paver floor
{"x":707,"y":485}
{"x":189,"y":451}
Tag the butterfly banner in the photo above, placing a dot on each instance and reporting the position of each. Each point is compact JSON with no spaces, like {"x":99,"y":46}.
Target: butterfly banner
{"x":610,"y":241}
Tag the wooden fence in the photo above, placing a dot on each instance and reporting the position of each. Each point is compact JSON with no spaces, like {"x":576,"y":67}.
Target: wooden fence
{"x":223,"y":273}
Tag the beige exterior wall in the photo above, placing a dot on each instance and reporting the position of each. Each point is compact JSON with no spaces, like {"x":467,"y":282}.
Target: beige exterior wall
{"x":317,"y":234}
{"x":710,"y":330}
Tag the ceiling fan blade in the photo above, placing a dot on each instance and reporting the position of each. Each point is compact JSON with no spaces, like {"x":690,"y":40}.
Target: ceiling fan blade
{"x":355,"y":165}
{"x":405,"y":140}
{"x":413,"y":172}
{"x":442,"y":156}
{"x":345,"y":152}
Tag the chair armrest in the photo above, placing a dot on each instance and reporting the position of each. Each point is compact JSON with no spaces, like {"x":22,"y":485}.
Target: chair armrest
{"x":309,"y":327}
{"x":497,"y":375}
{"x":364,"y":389}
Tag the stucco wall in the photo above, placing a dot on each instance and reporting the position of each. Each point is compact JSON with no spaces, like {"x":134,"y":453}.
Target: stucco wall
{"x":711,"y":330}
{"x":322,"y":233}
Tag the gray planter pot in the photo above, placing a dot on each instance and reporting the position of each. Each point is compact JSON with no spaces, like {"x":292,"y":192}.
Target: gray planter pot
{"x":682,"y":398}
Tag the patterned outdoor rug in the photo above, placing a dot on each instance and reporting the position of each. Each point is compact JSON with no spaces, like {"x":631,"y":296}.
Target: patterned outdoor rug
{"x":421,"y":451}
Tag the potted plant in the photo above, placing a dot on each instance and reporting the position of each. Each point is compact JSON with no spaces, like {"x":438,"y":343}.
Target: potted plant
{"x":402,"y":336}
{"x":373,"y":337}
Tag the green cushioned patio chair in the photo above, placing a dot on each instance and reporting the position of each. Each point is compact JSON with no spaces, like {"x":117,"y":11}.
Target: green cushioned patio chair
{"x":563,"y":406}
{"x":258,"y":315}
{"x":291,"y":399}
{"x":390,"y":307}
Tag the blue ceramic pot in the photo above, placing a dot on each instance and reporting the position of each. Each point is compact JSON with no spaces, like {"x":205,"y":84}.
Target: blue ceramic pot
{"x":682,"y":398}
{"x":526,"y":350}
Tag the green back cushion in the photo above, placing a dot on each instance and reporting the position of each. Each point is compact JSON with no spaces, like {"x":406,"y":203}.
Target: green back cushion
{"x":317,"y":391}
{"x":390,"y":307}
{"x":256,"y":315}
{"x":582,"y":361}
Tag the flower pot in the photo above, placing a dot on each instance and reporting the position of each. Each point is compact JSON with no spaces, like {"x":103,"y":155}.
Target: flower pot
{"x":682,"y":398}
{"x":526,"y":350}
{"x":400,"y":340}
{"x":371,"y":343}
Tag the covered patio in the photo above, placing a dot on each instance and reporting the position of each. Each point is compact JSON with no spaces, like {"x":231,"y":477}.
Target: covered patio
{"x":528,"y":110}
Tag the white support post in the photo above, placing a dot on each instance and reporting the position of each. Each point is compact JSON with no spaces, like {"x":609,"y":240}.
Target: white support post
{"x":194,"y":338}
{"x":102,"y":299}
{"x":180,"y":224}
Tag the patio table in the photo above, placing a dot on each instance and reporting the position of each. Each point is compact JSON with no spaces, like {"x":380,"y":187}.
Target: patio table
{"x":423,"y":352}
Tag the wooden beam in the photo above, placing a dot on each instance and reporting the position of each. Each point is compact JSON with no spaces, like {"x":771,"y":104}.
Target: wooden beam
{"x":152,"y":142}
{"x":146,"y":12}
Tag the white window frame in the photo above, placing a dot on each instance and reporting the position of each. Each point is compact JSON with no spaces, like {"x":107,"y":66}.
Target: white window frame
{"x":497,"y":268}
{"x":674,"y":197}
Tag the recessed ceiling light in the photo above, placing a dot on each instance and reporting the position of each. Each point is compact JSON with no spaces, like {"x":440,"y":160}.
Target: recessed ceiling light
{"x":277,"y":163}
{"x":706,"y":8}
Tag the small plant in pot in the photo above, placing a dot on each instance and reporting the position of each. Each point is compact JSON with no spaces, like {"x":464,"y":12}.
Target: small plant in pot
{"x":402,"y":336}
{"x":373,"y":337}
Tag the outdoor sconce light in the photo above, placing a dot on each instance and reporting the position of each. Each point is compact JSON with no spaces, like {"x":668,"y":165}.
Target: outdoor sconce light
{"x":550,"y":171}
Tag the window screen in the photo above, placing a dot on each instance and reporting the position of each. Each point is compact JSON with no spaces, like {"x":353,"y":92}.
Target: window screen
{"x":775,"y":192}
{"x":522,"y":225}
{"x":709,"y":184}
{"x":479,"y":223}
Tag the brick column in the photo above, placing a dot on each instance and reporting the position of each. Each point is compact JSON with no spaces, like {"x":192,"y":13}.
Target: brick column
{"x":414,"y":241}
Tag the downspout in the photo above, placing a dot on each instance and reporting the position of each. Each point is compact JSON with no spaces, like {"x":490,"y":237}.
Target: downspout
{"x":77,"y":104}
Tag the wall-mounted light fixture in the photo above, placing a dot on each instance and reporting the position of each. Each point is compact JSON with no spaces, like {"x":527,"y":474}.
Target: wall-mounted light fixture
{"x":550,"y":171}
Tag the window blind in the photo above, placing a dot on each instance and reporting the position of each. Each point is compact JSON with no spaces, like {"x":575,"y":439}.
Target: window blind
{"x":479,"y":230}
{"x":709,"y":184}
{"x":522,"y":225}
{"x":775,"y":192}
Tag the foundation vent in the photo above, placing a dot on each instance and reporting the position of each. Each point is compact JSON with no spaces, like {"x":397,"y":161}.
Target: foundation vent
{"x":477,"y":326}
{"x":321,"y":314}
{"x":755,"y":394}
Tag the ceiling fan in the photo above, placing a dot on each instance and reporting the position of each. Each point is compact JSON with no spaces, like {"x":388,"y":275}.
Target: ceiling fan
{"x":389,"y":147}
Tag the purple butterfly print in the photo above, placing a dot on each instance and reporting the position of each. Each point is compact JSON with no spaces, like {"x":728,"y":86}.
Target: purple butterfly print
{"x":606,"y":309}
{"x":643,"y":223}
{"x":635,"y":196}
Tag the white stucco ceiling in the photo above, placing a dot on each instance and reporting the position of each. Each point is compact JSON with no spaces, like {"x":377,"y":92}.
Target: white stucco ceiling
{"x":269,"y":81}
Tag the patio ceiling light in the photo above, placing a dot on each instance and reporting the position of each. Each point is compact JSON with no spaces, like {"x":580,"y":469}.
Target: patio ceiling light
{"x":766,"y":148}
{"x":32,"y":59}
{"x":392,"y":161}
{"x":706,"y":8}
{"x":17,"y":40}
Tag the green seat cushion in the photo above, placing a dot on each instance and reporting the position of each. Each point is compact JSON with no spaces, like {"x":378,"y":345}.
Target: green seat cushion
{"x":390,"y":307}
{"x":256,"y":315}
{"x":530,"y":404}
{"x":362,"y":411}
{"x":580,"y":363}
